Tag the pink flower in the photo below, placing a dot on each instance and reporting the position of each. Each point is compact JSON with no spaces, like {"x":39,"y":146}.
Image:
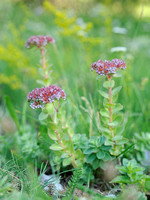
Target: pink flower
{"x":108,"y":67}
{"x":41,"y":96}
{"x":39,"y":41}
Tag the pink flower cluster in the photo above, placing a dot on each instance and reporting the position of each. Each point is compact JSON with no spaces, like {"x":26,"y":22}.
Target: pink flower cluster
{"x":39,"y":41}
{"x":108,"y":67}
{"x":41,"y":96}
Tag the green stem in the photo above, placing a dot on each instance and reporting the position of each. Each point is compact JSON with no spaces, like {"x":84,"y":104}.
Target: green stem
{"x":109,"y":77}
{"x":70,"y":154}
{"x":60,"y":142}
{"x":110,"y":107}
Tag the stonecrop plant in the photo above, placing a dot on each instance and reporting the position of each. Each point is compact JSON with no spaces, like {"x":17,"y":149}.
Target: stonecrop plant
{"x":41,"y":42}
{"x":39,"y":97}
{"x":111,"y":117}
{"x":48,"y":99}
{"x":88,"y":153}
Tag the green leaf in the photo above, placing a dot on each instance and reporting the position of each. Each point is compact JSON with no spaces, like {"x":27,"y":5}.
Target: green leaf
{"x":122,"y":169}
{"x":117,"y":108}
{"x":108,"y":142}
{"x":107,"y":157}
{"x":114,"y":124}
{"x":49,"y":107}
{"x":67,"y":161}
{"x":43,"y":116}
{"x":90,"y":158}
{"x":12,"y":111}
{"x":104,"y":113}
{"x":106,"y":148}
{"x":118,"y":74}
{"x":117,"y":137}
{"x":147,"y":184}
{"x":95,"y":150}
{"x":114,"y":98}
{"x":125,"y":161}
{"x":68,"y":145}
{"x":108,"y":84}
{"x":121,"y":179}
{"x":122,"y":141}
{"x":104,"y":94}
{"x":102,"y":164}
{"x":105,"y":120}
{"x":105,"y":102}
{"x":100,"y":155}
{"x":102,"y":140}
{"x":105,"y":130}
{"x":116,"y":90}
{"x":137,"y":169}
{"x":88,"y":151}
{"x":41,"y":83}
{"x":56,"y":147}
{"x":79,"y":154}
{"x":95,"y":164}
{"x":52,"y":135}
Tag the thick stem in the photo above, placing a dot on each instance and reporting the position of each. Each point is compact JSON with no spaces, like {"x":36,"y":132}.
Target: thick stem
{"x":110,"y":114}
{"x":44,"y":62}
{"x":60,"y":142}
{"x":62,"y":145}
{"x":110,"y":107}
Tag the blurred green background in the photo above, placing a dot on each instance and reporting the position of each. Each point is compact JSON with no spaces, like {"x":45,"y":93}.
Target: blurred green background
{"x":85,"y":31}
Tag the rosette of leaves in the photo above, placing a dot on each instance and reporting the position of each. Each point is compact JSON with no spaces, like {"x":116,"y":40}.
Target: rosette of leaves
{"x":142,"y":145}
{"x":79,"y":141}
{"x":97,"y":152}
{"x":112,"y":119}
{"x":131,"y":173}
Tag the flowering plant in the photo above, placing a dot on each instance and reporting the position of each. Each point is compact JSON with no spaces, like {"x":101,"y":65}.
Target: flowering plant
{"x":47,"y":98}
{"x":39,"y":41}
{"x":41,"y":96}
{"x":112,"y":119}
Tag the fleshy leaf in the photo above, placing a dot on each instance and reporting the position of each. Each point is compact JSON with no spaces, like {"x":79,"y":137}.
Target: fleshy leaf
{"x":67,"y":161}
{"x":104,"y":94}
{"x":79,"y":154}
{"x":56,"y":147}
{"x":122,"y":141}
{"x":114,"y":124}
{"x":117,"y":137}
{"x":43,"y":116}
{"x":106,"y":148}
{"x":107,"y":157}
{"x":41,"y":83}
{"x":121,"y":179}
{"x":117,"y":108}
{"x":116,"y":90}
{"x":105,"y":130}
{"x":95,"y":164}
{"x":90,"y":158}
{"x":108,"y":84}
{"x":100,"y":155}
{"x":88,"y":151}
{"x":102,"y":140}
{"x":52,"y":135}
{"x":104,"y":113}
